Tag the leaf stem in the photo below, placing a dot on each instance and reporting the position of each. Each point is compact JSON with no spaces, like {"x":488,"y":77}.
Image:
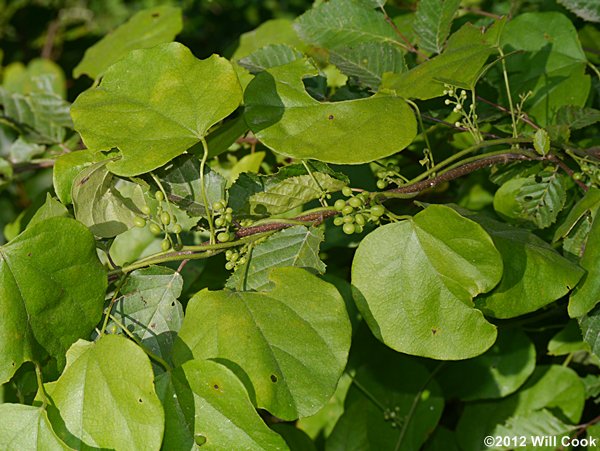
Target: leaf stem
{"x":112,"y":303}
{"x":40,"y":382}
{"x":420,"y":119}
{"x":508,"y":93}
{"x":207,"y":207}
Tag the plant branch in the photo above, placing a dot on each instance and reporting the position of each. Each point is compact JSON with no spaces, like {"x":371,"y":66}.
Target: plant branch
{"x":525,"y":118}
{"x":407,"y":43}
{"x":33,"y":165}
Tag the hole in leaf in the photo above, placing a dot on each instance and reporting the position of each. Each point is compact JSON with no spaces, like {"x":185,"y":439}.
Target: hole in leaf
{"x":434,"y":331}
{"x":528,"y":198}
{"x":156,"y":15}
{"x":273,"y":378}
{"x":140,"y":400}
{"x":538,"y":179}
{"x":216,"y":387}
{"x":330,"y":117}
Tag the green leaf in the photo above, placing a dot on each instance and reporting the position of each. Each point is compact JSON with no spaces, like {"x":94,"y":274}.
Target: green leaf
{"x":27,"y":428}
{"x":51,"y":208}
{"x":589,"y":203}
{"x":147,"y":28}
{"x":149,"y":308}
{"x":51,"y":292}
{"x":155,"y":112}
{"x":402,"y":388}
{"x":555,"y":388}
{"x":576,"y":117}
{"x":206,"y":406}
{"x":296,"y":246}
{"x":534,"y":273}
{"x":22,"y":150}
{"x":541,"y":142}
{"x":98,"y":204}
{"x":587,"y":293}
{"x":248,"y":163}
{"x":495,"y":374}
{"x":181,"y":180}
{"x":40,"y":76}
{"x":296,"y":439}
{"x":460,"y":64}
{"x":567,"y":340}
{"x":41,"y":117}
{"x":93,"y":407}
{"x":271,"y":32}
{"x":223,"y":137}
{"x":288,"y":120}
{"x":536,"y":200}
{"x":590,"y":329}
{"x":66,"y":168}
{"x":415,"y":281}
{"x":269,"y":56}
{"x":550,"y":62}
{"x":432,"y":23}
{"x":588,"y":10}
{"x":296,"y":339}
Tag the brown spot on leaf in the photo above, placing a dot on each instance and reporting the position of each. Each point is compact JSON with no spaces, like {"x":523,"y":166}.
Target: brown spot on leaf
{"x":434,"y":331}
{"x":330,"y":117}
{"x":216,"y":387}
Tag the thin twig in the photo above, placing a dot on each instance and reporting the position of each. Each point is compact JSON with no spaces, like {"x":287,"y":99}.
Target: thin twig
{"x":524,"y":117}
{"x":50,"y":36}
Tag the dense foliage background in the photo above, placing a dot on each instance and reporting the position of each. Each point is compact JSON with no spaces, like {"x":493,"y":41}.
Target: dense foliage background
{"x":366,"y":225}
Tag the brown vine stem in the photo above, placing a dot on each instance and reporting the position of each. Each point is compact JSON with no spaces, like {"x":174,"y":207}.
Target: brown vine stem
{"x":33,"y":165}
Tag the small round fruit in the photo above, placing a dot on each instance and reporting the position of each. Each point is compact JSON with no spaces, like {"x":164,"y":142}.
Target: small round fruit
{"x":155,"y":229}
{"x":228,"y":217}
{"x":229,"y":266}
{"x":381,"y":184}
{"x":166,"y":245}
{"x":223,"y":237}
{"x":355,"y":202}
{"x":177,"y":229}
{"x":228,"y":254}
{"x":347,"y":210}
{"x":165,"y":218}
{"x":377,"y":210}
{"x":359,"y":219}
{"x":234,"y":257}
{"x":113,"y":329}
{"x":358,"y":228}
{"x":585,"y":167}
{"x":139,"y":222}
{"x":577,"y":176}
{"x":229,"y":210}
{"x":220,"y":221}
{"x":159,"y":196}
{"x":146,"y":210}
{"x":349,"y":228}
{"x":242,"y":261}
{"x":339,"y":204}
{"x":347,"y":191}
{"x":338,"y":221}
{"x":218,"y":206}
{"x":348,"y":219}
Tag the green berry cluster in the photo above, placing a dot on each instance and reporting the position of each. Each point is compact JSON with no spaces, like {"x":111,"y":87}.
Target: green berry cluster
{"x":387,"y":176}
{"x":236,"y":257}
{"x":355,"y":212}
{"x":590,"y":173}
{"x":393,"y":416}
{"x":161,"y":222}
{"x":223,"y":217}
{"x":469,"y":116}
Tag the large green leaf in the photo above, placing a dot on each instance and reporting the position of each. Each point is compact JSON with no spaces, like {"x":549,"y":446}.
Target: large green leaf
{"x":105,"y":397}
{"x":288,"y":120}
{"x":415,"y":281}
{"x":495,"y":374}
{"x":550,"y":63}
{"x":207,"y":407}
{"x":432,"y":23}
{"x":296,"y":339}
{"x":459,"y":64}
{"x":296,"y":246}
{"x":586,"y":9}
{"x":52,"y":289}
{"x":146,"y":29}
{"x":66,"y":168}
{"x":153,"y":111}
{"x":41,"y":76}
{"x":587,"y":293}
{"x":411,"y":401}
{"x":554,"y":388}
{"x":534,"y":273}
{"x":98,"y":204}
{"x":27,"y":428}
{"x":149,"y":308}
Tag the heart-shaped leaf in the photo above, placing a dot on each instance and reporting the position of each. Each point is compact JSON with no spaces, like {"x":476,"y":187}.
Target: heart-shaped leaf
{"x":27,"y":427}
{"x":155,"y":112}
{"x":415,"y":281}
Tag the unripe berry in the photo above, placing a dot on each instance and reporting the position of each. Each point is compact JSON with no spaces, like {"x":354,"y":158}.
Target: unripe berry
{"x":139,"y":222}
{"x":155,"y":229}
{"x":355,"y":202}
{"x":339,"y":204}
{"x":377,"y":210}
{"x":223,"y":237}
{"x":166,"y":245}
{"x":347,"y":191}
{"x":177,"y":229}
{"x":165,"y":218}
{"x":347,"y":210}
{"x":159,"y":196}
{"x":349,"y":228}
{"x":146,"y":210}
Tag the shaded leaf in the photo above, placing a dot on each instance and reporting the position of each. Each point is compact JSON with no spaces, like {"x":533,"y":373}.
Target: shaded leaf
{"x":576,"y":117}
{"x":27,"y":428}
{"x":297,"y":337}
{"x":269,"y":56}
{"x":52,"y":289}
{"x":587,"y":293}
{"x":288,"y":120}
{"x":432,"y":23}
{"x":155,"y":112}
{"x":415,"y":281}
{"x":206,"y":406}
{"x":66,"y":168}
{"x":50,"y":209}
{"x":589,"y":203}
{"x":567,"y":340}
{"x":296,"y":246}
{"x":590,"y":329}
{"x":25,"y":80}
{"x":92,"y":407}
{"x":147,"y":28}
{"x":586,"y":9}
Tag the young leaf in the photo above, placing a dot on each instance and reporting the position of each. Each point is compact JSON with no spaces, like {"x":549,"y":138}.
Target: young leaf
{"x":297,"y":337}
{"x":207,"y":406}
{"x":147,"y":28}
{"x":155,"y":112}
{"x":288,"y":120}
{"x":149,"y":308}
{"x":66,"y":168}
{"x":297,"y":246}
{"x":27,"y":427}
{"x":52,"y":292}
{"x":541,"y":142}
{"x":405,"y":389}
{"x":534,"y":273}
{"x":459,"y":64}
{"x":415,"y":281}
{"x":51,"y":208}
{"x":93,"y":407}
{"x":432,"y":23}
{"x":500,"y":371}
{"x":98,"y":204}
{"x":553,"y":388}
